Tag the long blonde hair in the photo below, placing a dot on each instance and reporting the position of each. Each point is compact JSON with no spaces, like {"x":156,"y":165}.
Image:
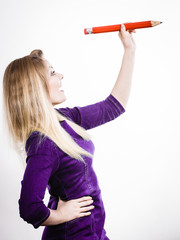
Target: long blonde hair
{"x":28,"y":107}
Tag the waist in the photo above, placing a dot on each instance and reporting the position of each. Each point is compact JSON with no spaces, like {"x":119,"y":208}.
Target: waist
{"x":96,"y":196}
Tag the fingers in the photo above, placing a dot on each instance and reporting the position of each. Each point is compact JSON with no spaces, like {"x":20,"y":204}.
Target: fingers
{"x":86,"y":203}
{"x":82,"y":199}
{"x":85,"y":209}
{"x":132,"y":31}
{"x":123,"y":29}
{"x":74,"y":208}
{"x":84,"y":214}
{"x":122,"y":32}
{"x":123,"y":26}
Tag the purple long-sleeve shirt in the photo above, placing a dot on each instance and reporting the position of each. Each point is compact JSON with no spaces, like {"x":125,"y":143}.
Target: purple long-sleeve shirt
{"x":49,"y":167}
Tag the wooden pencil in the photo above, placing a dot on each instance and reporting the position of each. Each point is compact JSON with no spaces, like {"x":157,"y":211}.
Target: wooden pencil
{"x":113,"y":28}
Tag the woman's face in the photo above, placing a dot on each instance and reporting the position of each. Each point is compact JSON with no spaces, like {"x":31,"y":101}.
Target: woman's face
{"x":54,"y":84}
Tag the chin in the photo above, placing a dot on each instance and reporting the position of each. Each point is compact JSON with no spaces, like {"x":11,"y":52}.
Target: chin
{"x":59,"y":101}
{"x":63,"y":99}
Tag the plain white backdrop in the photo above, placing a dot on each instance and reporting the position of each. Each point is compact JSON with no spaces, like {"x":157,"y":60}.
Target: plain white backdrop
{"x":137,"y":155}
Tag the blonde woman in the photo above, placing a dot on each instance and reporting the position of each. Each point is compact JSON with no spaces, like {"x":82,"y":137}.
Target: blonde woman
{"x":59,"y":149}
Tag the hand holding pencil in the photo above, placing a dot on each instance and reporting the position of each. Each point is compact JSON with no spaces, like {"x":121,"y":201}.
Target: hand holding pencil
{"x":127,"y":38}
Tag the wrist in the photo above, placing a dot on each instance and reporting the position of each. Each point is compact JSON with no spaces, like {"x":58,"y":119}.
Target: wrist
{"x":58,"y":217}
{"x":130,"y":49}
{"x":54,"y":218}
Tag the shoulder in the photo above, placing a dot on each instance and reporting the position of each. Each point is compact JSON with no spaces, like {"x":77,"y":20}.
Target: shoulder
{"x":65,"y":112}
{"x":71,"y":114}
{"x":38,"y":143}
{"x":42,"y":153}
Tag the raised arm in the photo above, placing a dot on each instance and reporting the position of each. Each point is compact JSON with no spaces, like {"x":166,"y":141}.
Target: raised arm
{"x":94,"y":114}
{"x":114,"y":105}
{"x":121,"y":89}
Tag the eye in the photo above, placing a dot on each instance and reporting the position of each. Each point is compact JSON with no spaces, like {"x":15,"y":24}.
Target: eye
{"x":53,"y":72}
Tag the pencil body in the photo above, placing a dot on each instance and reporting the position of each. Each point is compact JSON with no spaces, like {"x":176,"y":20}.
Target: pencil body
{"x":113,"y":28}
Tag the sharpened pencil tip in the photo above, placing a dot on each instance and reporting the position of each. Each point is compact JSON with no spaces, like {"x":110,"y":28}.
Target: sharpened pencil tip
{"x":161,"y":22}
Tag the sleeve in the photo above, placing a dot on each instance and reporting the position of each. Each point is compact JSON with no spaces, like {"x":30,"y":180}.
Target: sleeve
{"x":41,"y":163}
{"x":95,"y":114}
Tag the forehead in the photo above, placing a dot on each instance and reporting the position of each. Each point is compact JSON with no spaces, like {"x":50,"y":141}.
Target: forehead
{"x":48,"y":64}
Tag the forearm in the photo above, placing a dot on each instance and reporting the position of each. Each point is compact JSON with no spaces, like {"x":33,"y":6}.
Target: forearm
{"x":53,"y":219}
{"x":121,"y":89}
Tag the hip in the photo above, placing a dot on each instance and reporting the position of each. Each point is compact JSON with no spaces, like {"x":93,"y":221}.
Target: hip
{"x":83,"y":228}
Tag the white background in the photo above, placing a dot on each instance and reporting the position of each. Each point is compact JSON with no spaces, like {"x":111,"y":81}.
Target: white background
{"x":136,"y":155}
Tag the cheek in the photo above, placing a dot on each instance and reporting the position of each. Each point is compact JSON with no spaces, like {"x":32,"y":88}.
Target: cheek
{"x":55,"y":95}
{"x":53,"y":85}
{"x":53,"y":91}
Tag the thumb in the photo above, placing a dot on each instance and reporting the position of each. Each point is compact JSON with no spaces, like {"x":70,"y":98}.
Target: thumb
{"x":123,"y":27}
{"x":60,"y":200}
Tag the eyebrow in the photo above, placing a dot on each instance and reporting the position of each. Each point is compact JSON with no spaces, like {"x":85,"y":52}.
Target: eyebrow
{"x":49,"y":68}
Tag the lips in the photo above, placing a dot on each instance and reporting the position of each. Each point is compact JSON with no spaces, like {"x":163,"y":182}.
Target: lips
{"x":61,"y":90}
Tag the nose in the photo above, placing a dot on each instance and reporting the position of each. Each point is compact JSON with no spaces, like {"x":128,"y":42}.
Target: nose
{"x":62,"y":76}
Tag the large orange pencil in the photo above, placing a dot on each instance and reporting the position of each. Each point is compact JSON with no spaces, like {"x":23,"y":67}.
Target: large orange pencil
{"x":129,"y":26}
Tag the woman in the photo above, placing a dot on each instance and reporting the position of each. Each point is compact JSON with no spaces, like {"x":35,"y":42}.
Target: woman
{"x":59,"y":150}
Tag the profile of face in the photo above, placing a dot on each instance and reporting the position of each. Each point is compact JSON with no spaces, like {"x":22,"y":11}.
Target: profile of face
{"x":54,"y":83}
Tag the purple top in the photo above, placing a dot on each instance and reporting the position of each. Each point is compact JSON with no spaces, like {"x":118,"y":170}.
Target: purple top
{"x":65,"y":177}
